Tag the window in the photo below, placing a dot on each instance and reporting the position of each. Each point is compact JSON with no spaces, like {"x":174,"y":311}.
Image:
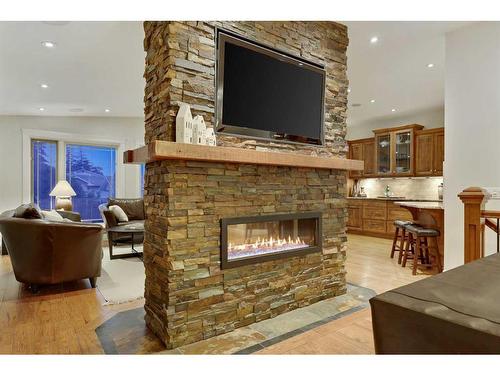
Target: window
{"x":91,"y":171}
{"x":141,"y":183}
{"x":43,"y":172}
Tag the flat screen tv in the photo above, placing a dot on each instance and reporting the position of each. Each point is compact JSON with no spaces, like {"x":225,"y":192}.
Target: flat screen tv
{"x":265,"y":93}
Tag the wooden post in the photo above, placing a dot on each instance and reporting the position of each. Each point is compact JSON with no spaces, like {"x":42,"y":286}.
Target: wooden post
{"x":473,"y":199}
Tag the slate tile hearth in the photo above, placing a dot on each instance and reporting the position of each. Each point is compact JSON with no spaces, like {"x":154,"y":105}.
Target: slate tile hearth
{"x":126,"y":333}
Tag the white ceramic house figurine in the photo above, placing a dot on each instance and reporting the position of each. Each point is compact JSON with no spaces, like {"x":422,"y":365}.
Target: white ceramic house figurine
{"x":199,"y":131}
{"x":211,"y":137}
{"x":184,"y":124}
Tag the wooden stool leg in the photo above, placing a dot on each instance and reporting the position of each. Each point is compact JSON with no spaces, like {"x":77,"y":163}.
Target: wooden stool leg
{"x":402,"y":245}
{"x":407,"y":249}
{"x":438,"y":255}
{"x":427,"y":259}
{"x":416,"y":255}
{"x":394,"y":242}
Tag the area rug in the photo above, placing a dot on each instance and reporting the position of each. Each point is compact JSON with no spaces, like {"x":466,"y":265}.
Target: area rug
{"x":122,"y":280}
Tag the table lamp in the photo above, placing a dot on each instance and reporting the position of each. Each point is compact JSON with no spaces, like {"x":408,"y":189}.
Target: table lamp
{"x":63,"y":193}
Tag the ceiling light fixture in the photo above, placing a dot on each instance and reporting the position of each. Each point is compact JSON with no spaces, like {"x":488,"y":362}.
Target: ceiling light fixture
{"x":393,"y":110}
{"x":48,"y":44}
{"x":44,"y":86}
{"x":373,"y":39}
{"x":431,"y":65}
{"x":41,"y":109}
{"x":107,"y":110}
{"x":348,"y":90}
{"x":372,"y":101}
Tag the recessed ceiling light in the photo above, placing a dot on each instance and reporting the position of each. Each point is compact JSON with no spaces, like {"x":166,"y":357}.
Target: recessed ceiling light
{"x":48,"y":44}
{"x":348,"y":90}
{"x":372,"y":101}
{"x":431,"y":65}
{"x":44,"y":86}
{"x":41,"y":109}
{"x":393,"y":110}
{"x":373,"y":39}
{"x":107,"y":110}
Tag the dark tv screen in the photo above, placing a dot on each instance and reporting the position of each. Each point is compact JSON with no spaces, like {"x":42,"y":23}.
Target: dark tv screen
{"x":268,"y":92}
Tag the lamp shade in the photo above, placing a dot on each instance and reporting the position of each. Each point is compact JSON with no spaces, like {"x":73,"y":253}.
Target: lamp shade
{"x":62,"y":189}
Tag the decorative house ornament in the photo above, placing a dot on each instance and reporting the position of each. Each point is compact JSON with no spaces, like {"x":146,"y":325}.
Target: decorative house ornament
{"x":211,"y":137}
{"x":184,"y":125}
{"x":199,"y":130}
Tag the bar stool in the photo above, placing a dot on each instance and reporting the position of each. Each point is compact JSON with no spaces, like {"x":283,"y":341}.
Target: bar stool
{"x":418,"y":241}
{"x":400,"y":237}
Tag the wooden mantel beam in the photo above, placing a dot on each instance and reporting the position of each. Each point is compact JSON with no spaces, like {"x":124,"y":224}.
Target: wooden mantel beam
{"x":163,"y":150}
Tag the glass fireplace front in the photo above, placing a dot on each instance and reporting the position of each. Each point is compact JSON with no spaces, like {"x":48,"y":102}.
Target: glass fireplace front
{"x":248,"y":240}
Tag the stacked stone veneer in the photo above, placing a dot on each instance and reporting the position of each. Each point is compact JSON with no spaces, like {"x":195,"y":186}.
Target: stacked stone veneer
{"x":188,"y":296}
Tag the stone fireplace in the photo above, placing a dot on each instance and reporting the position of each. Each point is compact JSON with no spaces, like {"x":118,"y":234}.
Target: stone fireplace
{"x":238,"y":233}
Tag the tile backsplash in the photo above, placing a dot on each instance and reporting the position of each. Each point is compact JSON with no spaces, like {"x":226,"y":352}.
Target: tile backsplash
{"x":408,"y":187}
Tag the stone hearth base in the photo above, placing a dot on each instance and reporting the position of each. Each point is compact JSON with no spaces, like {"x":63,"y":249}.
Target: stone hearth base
{"x":124,"y":333}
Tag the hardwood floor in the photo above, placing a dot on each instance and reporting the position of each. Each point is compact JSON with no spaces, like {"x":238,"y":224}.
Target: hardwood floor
{"x":63,"y":318}
{"x":369,"y":265}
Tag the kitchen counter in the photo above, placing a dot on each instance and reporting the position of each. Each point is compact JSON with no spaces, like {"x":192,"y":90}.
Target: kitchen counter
{"x":423,"y":205}
{"x":396,"y":199}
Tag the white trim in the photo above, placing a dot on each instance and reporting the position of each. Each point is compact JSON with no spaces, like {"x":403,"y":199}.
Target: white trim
{"x":63,"y":139}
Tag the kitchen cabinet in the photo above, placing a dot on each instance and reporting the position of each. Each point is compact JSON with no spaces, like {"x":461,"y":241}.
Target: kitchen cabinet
{"x":394,"y":150}
{"x":403,"y":151}
{"x":356,"y":153}
{"x":429,"y":152}
{"x":369,"y":158}
{"x":363,"y":149}
{"x":374,"y":217}
{"x":355,"y":215}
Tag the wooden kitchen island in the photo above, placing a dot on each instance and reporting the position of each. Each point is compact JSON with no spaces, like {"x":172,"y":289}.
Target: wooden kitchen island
{"x":429,"y":215}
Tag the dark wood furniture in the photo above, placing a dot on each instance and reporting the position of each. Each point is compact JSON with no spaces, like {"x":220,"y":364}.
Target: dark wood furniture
{"x":425,"y":249}
{"x":130,"y":229}
{"x":454,"y":312}
{"x":400,"y":238}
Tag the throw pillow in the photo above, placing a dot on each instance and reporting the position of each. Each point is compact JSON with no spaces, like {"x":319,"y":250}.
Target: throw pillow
{"x":28,"y":211}
{"x":52,"y":216}
{"x":119,"y":213}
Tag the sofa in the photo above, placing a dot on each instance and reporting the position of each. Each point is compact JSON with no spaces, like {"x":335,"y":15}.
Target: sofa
{"x":133,"y":208}
{"x":48,"y":252}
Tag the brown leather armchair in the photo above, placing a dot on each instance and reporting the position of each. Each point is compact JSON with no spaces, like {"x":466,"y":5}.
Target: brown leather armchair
{"x":45,"y":252}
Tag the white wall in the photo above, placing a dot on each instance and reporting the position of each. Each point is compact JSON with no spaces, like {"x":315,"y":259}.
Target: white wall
{"x":128,"y":131}
{"x":472,"y":123}
{"x":432,"y":118}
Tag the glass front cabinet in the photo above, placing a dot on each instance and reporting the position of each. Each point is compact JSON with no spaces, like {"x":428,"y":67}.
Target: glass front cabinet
{"x":394,"y":150}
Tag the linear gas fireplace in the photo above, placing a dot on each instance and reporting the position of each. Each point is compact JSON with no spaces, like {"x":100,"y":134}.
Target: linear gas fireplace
{"x":255,"y":239}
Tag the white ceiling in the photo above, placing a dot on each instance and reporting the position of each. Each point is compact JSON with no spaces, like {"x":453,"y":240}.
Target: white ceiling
{"x":394,"y":70}
{"x":94,"y":66}
{"x":98,"y":65}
